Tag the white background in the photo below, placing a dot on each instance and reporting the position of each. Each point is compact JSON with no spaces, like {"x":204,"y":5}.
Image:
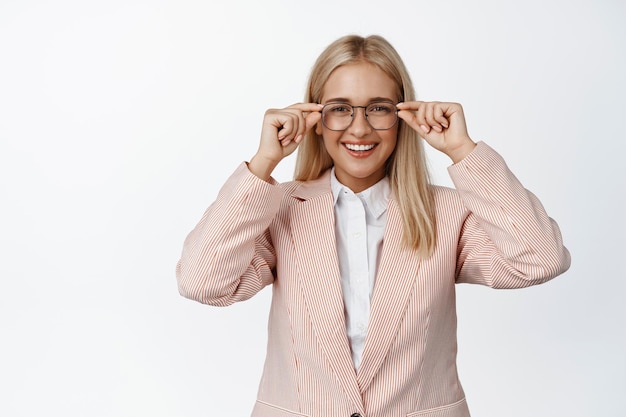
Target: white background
{"x":119,"y":121}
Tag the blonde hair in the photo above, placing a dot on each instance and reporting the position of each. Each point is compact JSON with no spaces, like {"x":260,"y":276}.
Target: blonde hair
{"x":406,"y":167}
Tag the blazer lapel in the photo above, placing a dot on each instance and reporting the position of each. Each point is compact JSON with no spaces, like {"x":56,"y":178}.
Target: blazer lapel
{"x":313,"y":232}
{"x":394,"y":284}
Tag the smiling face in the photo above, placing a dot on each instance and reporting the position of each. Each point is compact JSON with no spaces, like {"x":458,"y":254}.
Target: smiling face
{"x":360,"y":152}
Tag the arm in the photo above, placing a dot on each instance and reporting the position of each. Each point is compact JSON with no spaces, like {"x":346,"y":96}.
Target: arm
{"x":228,"y":256}
{"x":508,"y":240}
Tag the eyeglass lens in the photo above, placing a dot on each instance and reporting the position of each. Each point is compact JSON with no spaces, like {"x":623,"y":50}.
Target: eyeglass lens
{"x":339,"y":116}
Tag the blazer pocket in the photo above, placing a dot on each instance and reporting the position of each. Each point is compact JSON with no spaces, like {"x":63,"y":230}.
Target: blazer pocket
{"x":457,"y":409}
{"x":263,"y":409}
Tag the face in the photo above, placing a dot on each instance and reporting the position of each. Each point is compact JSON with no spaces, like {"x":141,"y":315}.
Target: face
{"x":360,"y":152}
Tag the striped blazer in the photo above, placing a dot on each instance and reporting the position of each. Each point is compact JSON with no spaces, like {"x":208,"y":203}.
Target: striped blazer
{"x":490,"y":231}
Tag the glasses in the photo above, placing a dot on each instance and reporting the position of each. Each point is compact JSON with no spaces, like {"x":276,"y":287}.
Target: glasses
{"x":381,"y":115}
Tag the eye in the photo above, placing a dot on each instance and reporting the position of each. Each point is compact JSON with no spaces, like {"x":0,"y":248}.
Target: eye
{"x":339,"y":109}
{"x":381,"y":108}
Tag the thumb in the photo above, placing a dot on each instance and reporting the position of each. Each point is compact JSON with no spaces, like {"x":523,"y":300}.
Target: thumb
{"x":312,"y":119}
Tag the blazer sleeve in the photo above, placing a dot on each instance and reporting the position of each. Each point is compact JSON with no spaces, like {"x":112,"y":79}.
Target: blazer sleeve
{"x":228,"y":256}
{"x":507,"y":239}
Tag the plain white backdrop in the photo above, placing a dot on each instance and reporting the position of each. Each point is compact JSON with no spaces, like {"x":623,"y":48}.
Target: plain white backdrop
{"x":120,"y":119}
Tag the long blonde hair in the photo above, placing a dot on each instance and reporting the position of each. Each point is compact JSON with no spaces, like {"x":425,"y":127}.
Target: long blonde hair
{"x":406,"y":167}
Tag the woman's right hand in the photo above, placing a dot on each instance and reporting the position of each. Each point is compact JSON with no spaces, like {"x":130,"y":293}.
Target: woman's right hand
{"x":282,"y":132}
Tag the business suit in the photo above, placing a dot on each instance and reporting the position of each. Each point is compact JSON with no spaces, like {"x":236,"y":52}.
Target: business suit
{"x":490,"y":231}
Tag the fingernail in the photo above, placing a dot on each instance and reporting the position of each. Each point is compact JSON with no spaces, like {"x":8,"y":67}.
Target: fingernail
{"x":425,"y":128}
{"x":298,"y":139}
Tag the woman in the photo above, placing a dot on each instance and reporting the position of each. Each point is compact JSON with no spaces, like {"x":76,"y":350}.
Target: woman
{"x":361,"y":251}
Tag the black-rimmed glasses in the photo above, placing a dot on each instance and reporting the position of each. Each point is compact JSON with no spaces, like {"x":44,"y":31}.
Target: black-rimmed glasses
{"x":381,"y":115}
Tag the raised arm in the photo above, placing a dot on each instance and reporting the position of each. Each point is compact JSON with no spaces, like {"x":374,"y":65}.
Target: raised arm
{"x":508,"y":240}
{"x":229,"y":256}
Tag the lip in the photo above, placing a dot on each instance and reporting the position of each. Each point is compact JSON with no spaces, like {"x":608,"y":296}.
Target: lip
{"x":357,"y":153}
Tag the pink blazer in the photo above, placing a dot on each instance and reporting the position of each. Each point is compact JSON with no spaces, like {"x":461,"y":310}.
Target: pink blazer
{"x":490,"y":231}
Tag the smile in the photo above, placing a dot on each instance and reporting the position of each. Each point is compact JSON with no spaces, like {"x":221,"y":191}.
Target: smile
{"x":359,"y":148}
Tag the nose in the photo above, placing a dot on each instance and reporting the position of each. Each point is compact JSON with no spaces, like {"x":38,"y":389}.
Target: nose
{"x":359,"y":126}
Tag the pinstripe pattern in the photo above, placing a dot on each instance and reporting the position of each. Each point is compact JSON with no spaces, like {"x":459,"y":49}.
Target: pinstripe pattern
{"x":490,"y":230}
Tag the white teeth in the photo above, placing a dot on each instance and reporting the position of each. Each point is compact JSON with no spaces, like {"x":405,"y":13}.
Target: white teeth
{"x":359,"y":147}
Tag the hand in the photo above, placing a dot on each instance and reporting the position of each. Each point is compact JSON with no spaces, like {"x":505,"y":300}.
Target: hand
{"x":442,"y":125}
{"x":282,"y":132}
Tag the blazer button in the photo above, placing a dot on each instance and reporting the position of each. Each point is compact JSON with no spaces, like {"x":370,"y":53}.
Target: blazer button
{"x":355,"y":415}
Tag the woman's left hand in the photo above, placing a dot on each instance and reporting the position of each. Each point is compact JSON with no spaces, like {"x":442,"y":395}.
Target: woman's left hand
{"x":441,"y":124}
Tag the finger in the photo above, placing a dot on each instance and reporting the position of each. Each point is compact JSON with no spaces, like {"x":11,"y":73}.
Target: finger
{"x":430,"y":117}
{"x":410,"y":113}
{"x":439,"y":115}
{"x":410,"y":105}
{"x":307,"y":107}
{"x":420,"y":117}
{"x":311,"y":120}
{"x":454,"y":114}
{"x":308,"y":115}
{"x":287,"y":126}
{"x":410,"y":117}
{"x":301,"y":128}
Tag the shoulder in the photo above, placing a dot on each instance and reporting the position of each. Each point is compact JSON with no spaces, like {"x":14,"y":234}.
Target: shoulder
{"x":448,"y":200}
{"x":445,"y":194}
{"x":307,"y":190}
{"x":289,"y":187}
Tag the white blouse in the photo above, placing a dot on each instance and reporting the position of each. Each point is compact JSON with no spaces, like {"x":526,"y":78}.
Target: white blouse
{"x":359,"y":228}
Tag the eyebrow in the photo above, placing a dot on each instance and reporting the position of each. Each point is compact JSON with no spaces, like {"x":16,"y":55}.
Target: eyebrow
{"x":348,"y":101}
